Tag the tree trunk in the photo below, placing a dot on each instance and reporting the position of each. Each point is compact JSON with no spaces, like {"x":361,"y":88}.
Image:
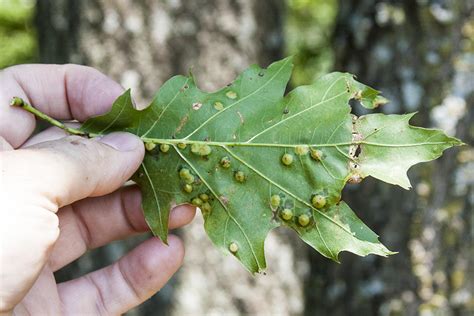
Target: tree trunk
{"x":141,"y":44}
{"x":419,"y":54}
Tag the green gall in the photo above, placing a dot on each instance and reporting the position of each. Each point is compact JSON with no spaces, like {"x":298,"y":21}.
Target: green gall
{"x":318,"y":201}
{"x":275,"y":200}
{"x":189,"y":179}
{"x":233,"y":247}
{"x":316,"y":154}
{"x":286,"y":214}
{"x":204,"y":197}
{"x":201,"y":149}
{"x":239,"y":176}
{"x":225,"y":162}
{"x":218,"y":106}
{"x":287,"y":159}
{"x":205,"y":150}
{"x":304,"y":220}
{"x":206,"y":207}
{"x":188,"y":188}
{"x":231,"y":94}
{"x":164,"y":148}
{"x":184,"y":173}
{"x":181,"y":145}
{"x":195,"y":148}
{"x":150,"y":146}
{"x":301,"y":150}
{"x":196,"y":201}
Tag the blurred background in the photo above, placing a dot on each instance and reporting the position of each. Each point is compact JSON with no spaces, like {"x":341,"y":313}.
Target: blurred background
{"x":420,"y":53}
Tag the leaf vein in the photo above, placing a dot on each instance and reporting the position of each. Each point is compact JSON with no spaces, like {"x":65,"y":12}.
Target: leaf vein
{"x":240,"y":100}
{"x":223,"y":205}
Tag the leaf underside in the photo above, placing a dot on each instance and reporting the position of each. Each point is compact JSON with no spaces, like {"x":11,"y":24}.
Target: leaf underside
{"x":230,"y":143}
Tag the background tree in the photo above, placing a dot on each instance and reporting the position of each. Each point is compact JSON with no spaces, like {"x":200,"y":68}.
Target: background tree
{"x":419,"y":53}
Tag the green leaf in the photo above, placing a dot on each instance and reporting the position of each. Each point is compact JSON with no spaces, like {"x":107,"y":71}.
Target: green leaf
{"x":254,"y":159}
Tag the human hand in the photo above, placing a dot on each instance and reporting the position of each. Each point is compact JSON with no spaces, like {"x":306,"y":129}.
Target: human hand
{"x":60,"y":196}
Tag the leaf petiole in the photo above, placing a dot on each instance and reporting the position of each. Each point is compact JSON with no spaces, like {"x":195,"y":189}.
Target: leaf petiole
{"x":19,"y":102}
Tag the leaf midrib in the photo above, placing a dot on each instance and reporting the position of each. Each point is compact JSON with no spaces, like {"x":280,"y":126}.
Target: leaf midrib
{"x":245,"y":144}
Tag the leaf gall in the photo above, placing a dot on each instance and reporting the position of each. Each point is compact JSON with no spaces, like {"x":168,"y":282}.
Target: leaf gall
{"x":239,"y":176}
{"x":206,"y":207}
{"x":149,"y":146}
{"x":196,"y":201}
{"x":287,"y":159}
{"x":286,"y":214}
{"x":204,"y":197}
{"x":316,"y":154}
{"x":184,"y":173}
{"x":275,"y":200}
{"x":164,"y":148}
{"x":318,"y":201}
{"x":188,"y":188}
{"x":233,"y":247}
{"x":301,"y":150}
{"x":201,"y":149}
{"x":225,"y":162}
{"x":218,"y":106}
{"x":231,"y":94}
{"x":304,"y":220}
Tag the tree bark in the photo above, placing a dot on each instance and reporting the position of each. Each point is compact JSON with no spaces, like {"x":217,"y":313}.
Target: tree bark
{"x":417,"y":54}
{"x":141,"y":44}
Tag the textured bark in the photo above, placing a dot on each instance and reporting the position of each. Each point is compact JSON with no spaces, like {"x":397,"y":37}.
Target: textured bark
{"x":418,"y":54}
{"x":141,"y":44}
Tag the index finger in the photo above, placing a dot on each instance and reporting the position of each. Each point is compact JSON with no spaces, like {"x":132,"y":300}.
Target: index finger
{"x":66,"y":92}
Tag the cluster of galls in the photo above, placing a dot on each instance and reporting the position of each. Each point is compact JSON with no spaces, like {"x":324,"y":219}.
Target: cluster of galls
{"x":203,"y":202}
{"x":239,"y":175}
{"x":164,"y":148}
{"x":285,"y":210}
{"x":202,"y":150}
{"x":188,"y":178}
{"x":301,"y":150}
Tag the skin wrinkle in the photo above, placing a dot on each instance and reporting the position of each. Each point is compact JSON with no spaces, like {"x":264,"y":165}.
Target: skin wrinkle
{"x":99,"y":302}
{"x":126,"y":214}
{"x":86,"y":236}
{"x":127,"y":280}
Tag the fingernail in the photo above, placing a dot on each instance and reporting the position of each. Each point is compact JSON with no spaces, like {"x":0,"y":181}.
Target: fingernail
{"x":121,"y":141}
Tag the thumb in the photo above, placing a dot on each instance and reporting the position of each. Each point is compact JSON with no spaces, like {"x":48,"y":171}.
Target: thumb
{"x":73,"y":168}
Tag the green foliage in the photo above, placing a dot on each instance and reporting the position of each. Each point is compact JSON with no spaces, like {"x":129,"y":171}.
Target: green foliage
{"x":233,"y":160}
{"x":308,"y":30}
{"x":17,"y":37}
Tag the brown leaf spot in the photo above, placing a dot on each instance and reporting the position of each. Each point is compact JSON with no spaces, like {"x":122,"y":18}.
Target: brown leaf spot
{"x":197,"y":106}
{"x":224,"y":199}
{"x":181,"y":124}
